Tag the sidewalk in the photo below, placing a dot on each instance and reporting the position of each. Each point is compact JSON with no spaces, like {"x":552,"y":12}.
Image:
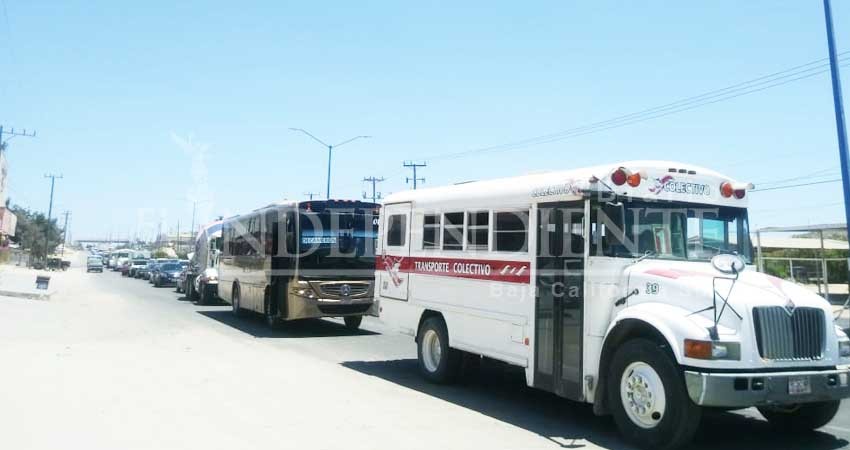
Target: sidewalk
{"x":19,"y":282}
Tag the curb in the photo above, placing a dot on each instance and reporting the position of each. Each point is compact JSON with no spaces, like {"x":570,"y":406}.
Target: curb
{"x":27,"y":295}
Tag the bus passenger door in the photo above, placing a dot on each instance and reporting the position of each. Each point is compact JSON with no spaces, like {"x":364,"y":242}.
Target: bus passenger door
{"x":393,"y":261}
{"x":559,"y":302}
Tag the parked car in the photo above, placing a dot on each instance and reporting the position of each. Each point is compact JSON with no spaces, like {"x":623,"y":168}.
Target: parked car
{"x":167,"y":274}
{"x":181,"y":282}
{"x":135,"y":266}
{"x":142,"y":272}
{"x":206,"y":286}
{"x":155,"y":268}
{"x":94,"y":264}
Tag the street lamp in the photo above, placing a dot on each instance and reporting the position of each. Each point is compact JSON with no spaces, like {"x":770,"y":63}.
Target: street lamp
{"x":330,"y":151}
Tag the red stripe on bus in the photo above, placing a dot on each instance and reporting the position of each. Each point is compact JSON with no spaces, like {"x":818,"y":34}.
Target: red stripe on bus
{"x":476,"y":269}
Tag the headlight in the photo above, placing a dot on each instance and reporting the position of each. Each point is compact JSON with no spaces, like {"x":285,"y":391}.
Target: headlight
{"x":711,"y":350}
{"x":303,"y":289}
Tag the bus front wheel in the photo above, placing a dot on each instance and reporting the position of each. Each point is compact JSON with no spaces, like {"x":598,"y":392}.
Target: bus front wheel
{"x":437,"y":361}
{"x":800,"y":418}
{"x":648,"y":397}
{"x":352,"y":322}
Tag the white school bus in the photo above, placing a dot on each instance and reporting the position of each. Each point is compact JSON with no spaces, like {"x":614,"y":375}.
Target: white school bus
{"x":628,"y":286}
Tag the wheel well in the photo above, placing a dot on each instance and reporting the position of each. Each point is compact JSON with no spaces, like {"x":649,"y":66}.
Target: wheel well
{"x":427,"y":314}
{"x":624,"y":330}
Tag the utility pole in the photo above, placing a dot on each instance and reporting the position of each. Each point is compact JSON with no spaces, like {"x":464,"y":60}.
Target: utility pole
{"x":178,"y":236}
{"x":330,"y":151}
{"x":310,"y":195}
{"x":53,"y":178}
{"x":65,"y":231}
{"x":12,"y":134}
{"x":840,"y":126}
{"x":414,"y":166}
{"x":375,"y":195}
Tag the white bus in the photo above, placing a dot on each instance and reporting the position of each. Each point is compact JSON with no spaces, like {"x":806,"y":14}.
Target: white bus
{"x":628,"y":286}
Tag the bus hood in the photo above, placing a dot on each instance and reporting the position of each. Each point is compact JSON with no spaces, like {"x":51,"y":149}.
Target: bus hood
{"x":693,"y":286}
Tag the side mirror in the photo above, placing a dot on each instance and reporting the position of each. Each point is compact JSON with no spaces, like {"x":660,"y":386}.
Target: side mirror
{"x":616,"y":213}
{"x":728,"y":264}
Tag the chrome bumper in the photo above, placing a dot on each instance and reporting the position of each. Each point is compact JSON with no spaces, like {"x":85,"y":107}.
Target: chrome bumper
{"x":756,"y":389}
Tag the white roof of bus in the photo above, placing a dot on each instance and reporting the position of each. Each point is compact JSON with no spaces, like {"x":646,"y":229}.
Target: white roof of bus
{"x":517,"y":190}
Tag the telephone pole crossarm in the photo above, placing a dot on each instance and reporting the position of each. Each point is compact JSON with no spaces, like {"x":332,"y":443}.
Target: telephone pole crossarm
{"x":414,"y":166}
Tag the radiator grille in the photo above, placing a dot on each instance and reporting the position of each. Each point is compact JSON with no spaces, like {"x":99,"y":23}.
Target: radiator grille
{"x":787,"y":337}
{"x":339,"y":290}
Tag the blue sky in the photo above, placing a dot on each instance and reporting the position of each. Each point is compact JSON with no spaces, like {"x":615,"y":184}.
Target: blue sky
{"x":145,"y":107}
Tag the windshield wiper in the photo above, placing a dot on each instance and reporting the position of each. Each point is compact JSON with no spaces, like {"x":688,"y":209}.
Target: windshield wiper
{"x":646,"y":254}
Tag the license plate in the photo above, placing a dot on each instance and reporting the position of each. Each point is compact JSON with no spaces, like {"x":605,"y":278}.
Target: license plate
{"x":799,"y":385}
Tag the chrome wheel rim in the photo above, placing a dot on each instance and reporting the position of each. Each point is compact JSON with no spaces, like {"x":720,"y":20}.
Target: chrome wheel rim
{"x":432,"y":350}
{"x":642,"y":394}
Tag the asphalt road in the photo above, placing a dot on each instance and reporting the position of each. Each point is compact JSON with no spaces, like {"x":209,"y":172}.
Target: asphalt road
{"x":115,"y":363}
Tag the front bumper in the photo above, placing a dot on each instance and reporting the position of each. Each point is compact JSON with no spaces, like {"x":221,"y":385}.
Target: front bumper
{"x":769,"y":388}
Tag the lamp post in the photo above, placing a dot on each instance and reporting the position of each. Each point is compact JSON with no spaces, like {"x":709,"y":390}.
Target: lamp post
{"x":330,"y":152}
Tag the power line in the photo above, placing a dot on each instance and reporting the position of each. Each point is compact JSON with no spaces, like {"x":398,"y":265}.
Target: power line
{"x":819,"y":173}
{"x":310,"y":194}
{"x":776,"y":79}
{"x":786,"y":76}
{"x":811,"y":183}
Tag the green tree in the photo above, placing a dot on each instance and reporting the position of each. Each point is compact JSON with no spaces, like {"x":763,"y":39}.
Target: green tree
{"x":31,"y":230}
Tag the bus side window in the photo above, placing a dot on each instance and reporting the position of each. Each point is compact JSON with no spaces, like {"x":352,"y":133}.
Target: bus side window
{"x":453,"y":231}
{"x":510,"y":231}
{"x":477,"y":230}
{"x":431,"y":232}
{"x":396,"y":230}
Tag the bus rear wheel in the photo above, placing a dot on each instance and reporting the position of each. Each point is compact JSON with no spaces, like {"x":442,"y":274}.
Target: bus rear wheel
{"x":234,"y":301}
{"x":437,"y":361}
{"x":352,"y":322}
{"x":648,"y":397}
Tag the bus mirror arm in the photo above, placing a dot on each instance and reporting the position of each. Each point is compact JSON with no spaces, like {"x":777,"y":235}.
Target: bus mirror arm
{"x":622,"y":301}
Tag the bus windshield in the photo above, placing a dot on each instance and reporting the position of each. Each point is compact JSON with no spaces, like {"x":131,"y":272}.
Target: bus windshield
{"x":337,"y":239}
{"x":670,"y":231}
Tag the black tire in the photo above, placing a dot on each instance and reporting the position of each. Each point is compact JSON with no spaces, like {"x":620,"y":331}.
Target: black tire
{"x":352,"y":322}
{"x":207,"y":296}
{"x":270,"y":314}
{"x":800,"y":418}
{"x":192,"y":293}
{"x":200,"y":297}
{"x":676,"y":424}
{"x":234,"y":303}
{"x":445,"y":370}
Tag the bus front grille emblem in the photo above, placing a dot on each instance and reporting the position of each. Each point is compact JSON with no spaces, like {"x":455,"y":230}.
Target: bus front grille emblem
{"x":345,"y":290}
